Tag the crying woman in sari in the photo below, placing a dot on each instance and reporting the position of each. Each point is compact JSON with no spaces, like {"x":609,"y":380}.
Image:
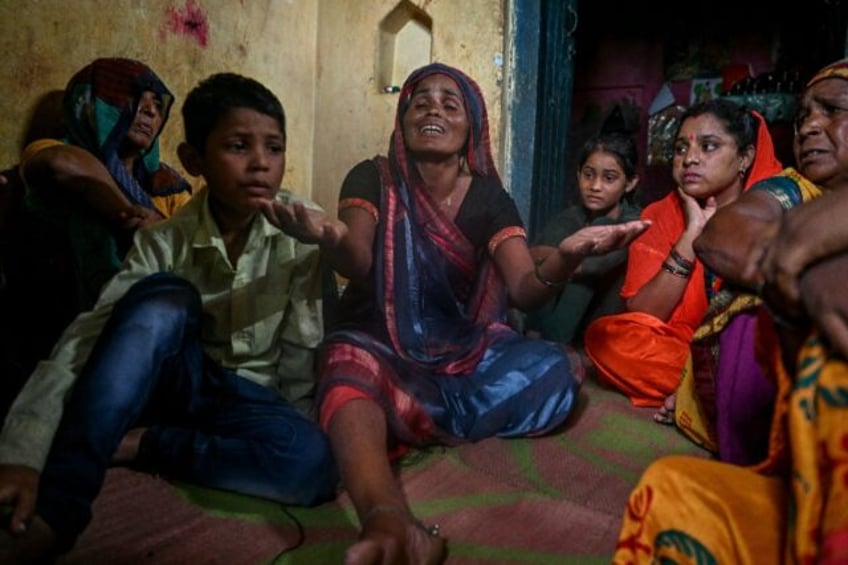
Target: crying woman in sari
{"x":434,"y":248}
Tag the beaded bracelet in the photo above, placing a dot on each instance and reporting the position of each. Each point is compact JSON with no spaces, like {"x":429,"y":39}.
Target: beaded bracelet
{"x":680,"y":260}
{"x":676,"y":271}
{"x":546,"y":282}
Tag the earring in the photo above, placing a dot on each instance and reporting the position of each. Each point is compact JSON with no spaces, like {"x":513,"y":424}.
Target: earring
{"x":742,"y":172}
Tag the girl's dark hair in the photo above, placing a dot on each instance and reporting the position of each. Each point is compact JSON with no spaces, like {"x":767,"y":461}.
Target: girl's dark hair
{"x":738,"y":120}
{"x":619,"y":145}
{"x":216,"y":95}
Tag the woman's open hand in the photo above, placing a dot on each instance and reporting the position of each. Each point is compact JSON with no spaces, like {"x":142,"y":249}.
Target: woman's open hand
{"x":598,"y":240}
{"x":304,"y":224}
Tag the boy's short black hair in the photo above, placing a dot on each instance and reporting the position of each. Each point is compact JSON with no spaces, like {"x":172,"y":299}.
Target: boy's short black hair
{"x":216,"y":95}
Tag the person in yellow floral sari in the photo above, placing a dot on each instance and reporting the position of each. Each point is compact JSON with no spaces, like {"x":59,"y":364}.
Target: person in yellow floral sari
{"x":792,"y":506}
{"x":724,"y":402}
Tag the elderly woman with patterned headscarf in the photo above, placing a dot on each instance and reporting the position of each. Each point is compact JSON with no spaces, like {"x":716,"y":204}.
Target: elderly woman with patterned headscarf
{"x":106,"y":179}
{"x":787,"y":239}
{"x":433,"y":247}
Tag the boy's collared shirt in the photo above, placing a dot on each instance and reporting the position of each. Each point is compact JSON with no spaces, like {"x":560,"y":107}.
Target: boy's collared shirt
{"x":261,"y":317}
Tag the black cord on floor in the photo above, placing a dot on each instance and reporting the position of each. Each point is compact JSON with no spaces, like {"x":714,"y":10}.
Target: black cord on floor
{"x":419,"y":454}
{"x":408,"y":460}
{"x":301,"y":534}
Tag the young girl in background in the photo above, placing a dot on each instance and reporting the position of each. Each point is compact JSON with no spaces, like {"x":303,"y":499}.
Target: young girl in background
{"x":607,"y":179}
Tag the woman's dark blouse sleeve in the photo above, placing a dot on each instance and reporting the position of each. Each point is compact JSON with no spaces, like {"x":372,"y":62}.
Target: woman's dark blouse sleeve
{"x":486,"y":210}
{"x":362,"y":181}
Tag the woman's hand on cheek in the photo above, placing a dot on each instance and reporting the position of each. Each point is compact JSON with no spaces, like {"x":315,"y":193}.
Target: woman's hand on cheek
{"x":696,"y":215}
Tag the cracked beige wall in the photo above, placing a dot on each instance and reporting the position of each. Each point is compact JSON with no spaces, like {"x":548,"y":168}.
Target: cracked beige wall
{"x":318,"y":56}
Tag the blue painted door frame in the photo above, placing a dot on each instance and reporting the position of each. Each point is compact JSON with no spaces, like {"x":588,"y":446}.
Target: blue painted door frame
{"x":538,"y":107}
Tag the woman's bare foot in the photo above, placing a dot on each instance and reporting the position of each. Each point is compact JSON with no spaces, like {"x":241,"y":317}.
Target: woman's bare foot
{"x":36,"y":544}
{"x":128,"y":448}
{"x":665,"y":414}
{"x":392,"y":535}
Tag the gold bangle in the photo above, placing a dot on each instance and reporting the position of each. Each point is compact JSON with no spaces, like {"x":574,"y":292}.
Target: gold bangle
{"x":546,"y":282}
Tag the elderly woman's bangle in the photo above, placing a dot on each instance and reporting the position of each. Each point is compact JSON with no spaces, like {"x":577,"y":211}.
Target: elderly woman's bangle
{"x":546,"y":282}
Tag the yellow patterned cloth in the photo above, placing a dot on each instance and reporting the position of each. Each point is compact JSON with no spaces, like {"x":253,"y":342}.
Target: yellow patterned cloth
{"x":696,"y":399}
{"x":793,"y":508}
{"x":837,"y":69}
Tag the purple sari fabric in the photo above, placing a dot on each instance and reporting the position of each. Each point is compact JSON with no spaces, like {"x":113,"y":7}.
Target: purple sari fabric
{"x":744,"y":396}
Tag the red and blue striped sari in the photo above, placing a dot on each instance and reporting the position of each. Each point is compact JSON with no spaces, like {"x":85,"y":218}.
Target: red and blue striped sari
{"x":434,"y":349}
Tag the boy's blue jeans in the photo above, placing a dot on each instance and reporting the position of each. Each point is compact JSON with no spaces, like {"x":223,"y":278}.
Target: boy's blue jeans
{"x":205,"y":424}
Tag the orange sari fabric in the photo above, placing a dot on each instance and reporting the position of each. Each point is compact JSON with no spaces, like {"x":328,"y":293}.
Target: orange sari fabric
{"x":636,"y":352}
{"x":792,"y":508}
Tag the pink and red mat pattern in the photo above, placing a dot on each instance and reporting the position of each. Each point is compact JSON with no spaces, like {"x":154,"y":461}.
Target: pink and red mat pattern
{"x":556,"y":499}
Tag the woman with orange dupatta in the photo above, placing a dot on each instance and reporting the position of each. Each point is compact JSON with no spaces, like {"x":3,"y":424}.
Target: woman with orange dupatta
{"x":791,"y":507}
{"x":720,"y":150}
